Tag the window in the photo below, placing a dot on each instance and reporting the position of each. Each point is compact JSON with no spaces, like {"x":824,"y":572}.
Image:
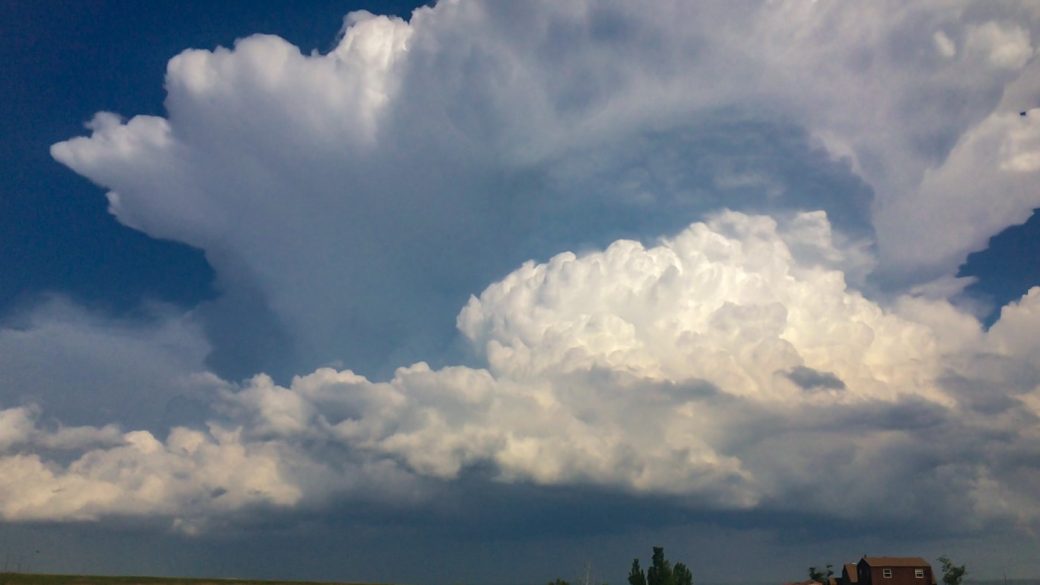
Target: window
{"x":919,"y":573}
{"x":886,"y":573}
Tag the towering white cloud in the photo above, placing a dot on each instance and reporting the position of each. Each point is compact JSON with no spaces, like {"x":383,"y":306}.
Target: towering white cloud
{"x":364,"y":193}
{"x":675,"y":211}
{"x":726,"y":302}
{"x":729,"y":366}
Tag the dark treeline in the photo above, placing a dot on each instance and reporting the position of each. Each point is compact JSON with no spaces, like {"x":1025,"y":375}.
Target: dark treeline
{"x":660,"y":572}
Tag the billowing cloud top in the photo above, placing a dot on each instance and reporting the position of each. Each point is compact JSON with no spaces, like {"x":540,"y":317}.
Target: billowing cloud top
{"x":765,"y":207}
{"x":691,"y":368}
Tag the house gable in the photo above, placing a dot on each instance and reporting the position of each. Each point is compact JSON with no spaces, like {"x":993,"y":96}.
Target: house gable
{"x":894,"y":571}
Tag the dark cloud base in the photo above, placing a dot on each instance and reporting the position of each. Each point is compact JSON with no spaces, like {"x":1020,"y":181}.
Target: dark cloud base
{"x":500,"y":535}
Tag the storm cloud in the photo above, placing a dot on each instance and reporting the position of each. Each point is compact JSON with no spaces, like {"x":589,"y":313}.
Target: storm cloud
{"x":695,"y":253}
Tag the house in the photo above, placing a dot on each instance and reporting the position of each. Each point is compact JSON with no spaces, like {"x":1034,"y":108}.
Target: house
{"x":889,"y":571}
{"x":849,"y":574}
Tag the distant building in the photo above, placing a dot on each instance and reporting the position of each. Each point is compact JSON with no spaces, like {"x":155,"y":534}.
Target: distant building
{"x":849,"y":574}
{"x":889,"y":571}
{"x":881,"y":571}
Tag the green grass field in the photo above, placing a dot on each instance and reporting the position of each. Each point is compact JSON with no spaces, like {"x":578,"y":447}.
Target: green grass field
{"x":35,"y":579}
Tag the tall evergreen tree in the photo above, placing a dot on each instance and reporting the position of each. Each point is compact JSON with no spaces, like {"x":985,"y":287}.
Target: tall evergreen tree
{"x":660,"y":571}
{"x":682,"y":573}
{"x":636,"y":576}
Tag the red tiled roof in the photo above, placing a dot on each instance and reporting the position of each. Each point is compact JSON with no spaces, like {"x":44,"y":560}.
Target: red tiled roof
{"x":850,"y":570}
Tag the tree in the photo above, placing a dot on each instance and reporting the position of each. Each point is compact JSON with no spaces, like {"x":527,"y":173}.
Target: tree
{"x":820,"y":576}
{"x":683,"y":576}
{"x":558,"y":581}
{"x":952,"y":574}
{"x":636,"y":576}
{"x":660,"y":572}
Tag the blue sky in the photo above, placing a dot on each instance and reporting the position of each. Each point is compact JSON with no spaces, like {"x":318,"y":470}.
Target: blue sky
{"x":486,"y":291}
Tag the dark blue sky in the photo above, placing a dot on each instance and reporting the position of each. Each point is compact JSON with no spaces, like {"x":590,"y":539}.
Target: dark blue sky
{"x":1008,"y":267}
{"x":64,"y":61}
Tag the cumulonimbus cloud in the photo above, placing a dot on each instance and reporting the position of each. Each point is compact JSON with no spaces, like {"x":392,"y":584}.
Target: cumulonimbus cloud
{"x":727,"y":359}
{"x":729,"y":366}
{"x":363,"y":194}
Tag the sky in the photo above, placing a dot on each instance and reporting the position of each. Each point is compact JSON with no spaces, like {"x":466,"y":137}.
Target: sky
{"x":492,"y":292}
